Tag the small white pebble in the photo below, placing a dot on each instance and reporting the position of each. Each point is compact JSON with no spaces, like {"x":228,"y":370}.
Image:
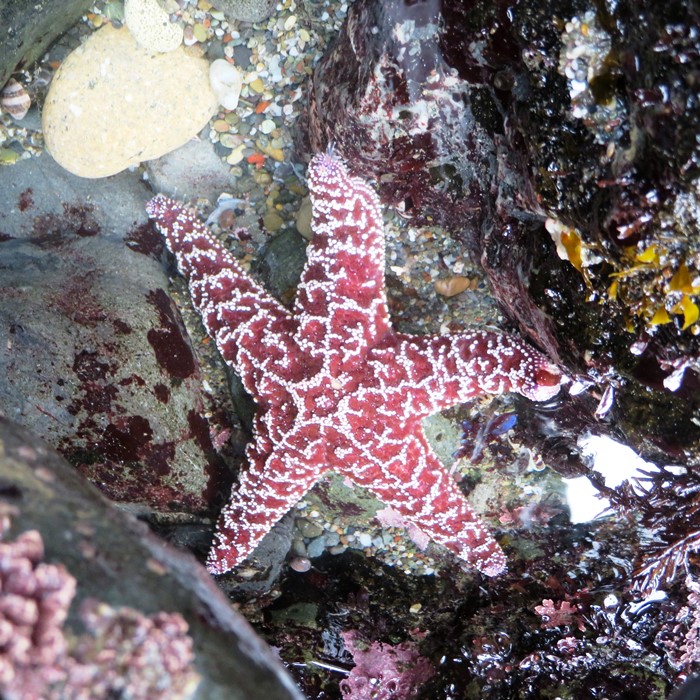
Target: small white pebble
{"x":267,"y":126}
{"x":365,"y":539}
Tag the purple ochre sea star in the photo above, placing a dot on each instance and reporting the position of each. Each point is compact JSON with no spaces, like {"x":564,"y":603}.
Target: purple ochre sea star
{"x":336,"y":388}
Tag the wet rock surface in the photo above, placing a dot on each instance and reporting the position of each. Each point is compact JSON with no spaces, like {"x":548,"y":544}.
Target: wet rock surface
{"x":496,"y":121}
{"x":111,"y":74}
{"x":23,"y":41}
{"x":543,"y":95}
{"x":193,"y":171}
{"x":94,"y":353}
{"x":116,"y":561}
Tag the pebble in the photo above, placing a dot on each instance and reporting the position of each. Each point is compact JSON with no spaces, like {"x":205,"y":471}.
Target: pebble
{"x":274,"y":153}
{"x":200,"y":32}
{"x":230,"y":140}
{"x":452,"y":286}
{"x":226,"y":82}
{"x":111,"y":74}
{"x":298,"y":548}
{"x":365,"y":539}
{"x":257,"y":85}
{"x":236,"y":155}
{"x":300,"y":564}
{"x":308,"y":528}
{"x":247,"y":10}
{"x":316,"y":547}
{"x":151,"y":26}
{"x":267,"y":126}
{"x":332,"y":539}
{"x":303,"y":219}
{"x":221,"y":126}
{"x":273,"y":222}
{"x":8,"y":156}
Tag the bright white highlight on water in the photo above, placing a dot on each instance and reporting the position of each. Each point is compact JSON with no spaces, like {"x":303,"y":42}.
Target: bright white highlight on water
{"x":615,"y":462}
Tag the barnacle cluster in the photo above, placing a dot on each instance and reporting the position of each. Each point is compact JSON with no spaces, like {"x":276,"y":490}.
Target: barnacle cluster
{"x":584,"y":61}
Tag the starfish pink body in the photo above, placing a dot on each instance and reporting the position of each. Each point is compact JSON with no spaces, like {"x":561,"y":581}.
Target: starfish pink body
{"x":336,"y":388}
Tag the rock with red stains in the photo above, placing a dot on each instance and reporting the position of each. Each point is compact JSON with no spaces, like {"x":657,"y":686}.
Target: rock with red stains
{"x":94,"y":353}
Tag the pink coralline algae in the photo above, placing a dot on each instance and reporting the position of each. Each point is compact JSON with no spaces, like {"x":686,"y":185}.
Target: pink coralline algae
{"x":126,"y":654}
{"x":385,"y":672}
{"x":132,"y":655}
{"x":337,"y":389}
{"x":34,"y":602}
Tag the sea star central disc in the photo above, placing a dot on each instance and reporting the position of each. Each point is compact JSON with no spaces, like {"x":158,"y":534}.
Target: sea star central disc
{"x":336,"y":388}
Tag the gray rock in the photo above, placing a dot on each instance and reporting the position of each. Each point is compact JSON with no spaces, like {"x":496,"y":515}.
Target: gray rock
{"x":308,"y":528}
{"x":36,"y":190}
{"x":29,"y":28}
{"x":316,"y":547}
{"x":93,"y":353}
{"x":332,"y":538}
{"x":117,"y":561}
{"x":246,"y":10}
{"x":192,"y":171}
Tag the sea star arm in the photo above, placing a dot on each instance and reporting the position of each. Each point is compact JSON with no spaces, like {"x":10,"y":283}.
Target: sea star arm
{"x":410,"y":478}
{"x":442,"y":371}
{"x":341,"y":300}
{"x":234,"y":308}
{"x":271,"y":485}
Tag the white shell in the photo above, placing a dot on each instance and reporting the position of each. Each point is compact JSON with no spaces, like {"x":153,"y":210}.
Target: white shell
{"x":226,"y":82}
{"x":14,"y":99}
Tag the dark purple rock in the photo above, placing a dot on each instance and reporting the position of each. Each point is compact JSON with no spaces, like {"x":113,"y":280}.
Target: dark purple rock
{"x":489,"y":118}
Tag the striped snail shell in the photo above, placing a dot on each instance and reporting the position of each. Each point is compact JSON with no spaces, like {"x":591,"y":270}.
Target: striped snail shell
{"x":14,"y":99}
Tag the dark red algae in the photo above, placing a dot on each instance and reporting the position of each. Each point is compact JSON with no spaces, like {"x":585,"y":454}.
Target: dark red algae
{"x":170,"y":342}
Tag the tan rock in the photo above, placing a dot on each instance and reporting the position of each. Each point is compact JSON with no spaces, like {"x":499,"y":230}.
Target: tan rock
{"x":113,"y":104}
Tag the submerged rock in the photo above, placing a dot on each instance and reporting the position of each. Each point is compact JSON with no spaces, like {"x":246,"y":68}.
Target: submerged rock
{"x":94,"y":354}
{"x":246,"y":10}
{"x":29,"y":30}
{"x":151,"y":26}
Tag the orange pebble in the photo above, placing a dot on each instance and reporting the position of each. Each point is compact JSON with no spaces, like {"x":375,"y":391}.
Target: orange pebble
{"x":262,"y":106}
{"x":256,"y":159}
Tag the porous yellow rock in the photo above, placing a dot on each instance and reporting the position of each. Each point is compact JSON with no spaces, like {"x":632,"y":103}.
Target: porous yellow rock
{"x":151,"y":26}
{"x":113,"y":104}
